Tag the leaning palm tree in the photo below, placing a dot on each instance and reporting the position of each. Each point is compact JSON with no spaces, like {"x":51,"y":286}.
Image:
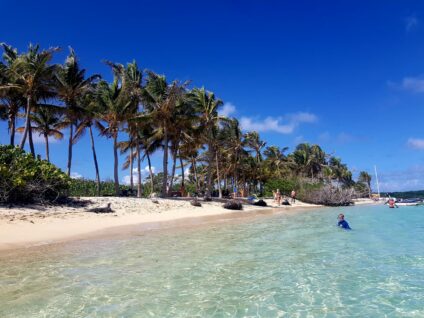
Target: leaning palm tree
{"x":207,"y":106}
{"x":31,"y":75}
{"x":88,"y":120}
{"x":161,"y":101}
{"x":71,"y":85}
{"x":47,"y":122}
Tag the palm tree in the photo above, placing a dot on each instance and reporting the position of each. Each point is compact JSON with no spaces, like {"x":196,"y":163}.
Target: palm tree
{"x":47,"y":122}
{"x":71,"y":85}
{"x":207,"y":106}
{"x":253,"y":141}
{"x":161,"y":101}
{"x":365,"y":177}
{"x":128,"y":146}
{"x":276,"y":160}
{"x":233,"y":143}
{"x":114,"y":109}
{"x":87,"y":120}
{"x":130,"y":78}
{"x":31,"y":75}
{"x":310,"y":159}
{"x":11,"y":99}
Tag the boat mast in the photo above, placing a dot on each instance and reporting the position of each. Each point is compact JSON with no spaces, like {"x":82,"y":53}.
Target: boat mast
{"x":376,"y":178}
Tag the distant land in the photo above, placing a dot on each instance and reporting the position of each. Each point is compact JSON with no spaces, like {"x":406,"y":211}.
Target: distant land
{"x":408,"y":194}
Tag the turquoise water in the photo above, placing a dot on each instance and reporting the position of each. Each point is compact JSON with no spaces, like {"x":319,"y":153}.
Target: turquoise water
{"x":295,"y":265}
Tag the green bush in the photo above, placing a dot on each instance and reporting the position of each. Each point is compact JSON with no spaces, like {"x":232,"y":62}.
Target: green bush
{"x":24,"y":179}
{"x":284,"y":185}
{"x":88,"y":188}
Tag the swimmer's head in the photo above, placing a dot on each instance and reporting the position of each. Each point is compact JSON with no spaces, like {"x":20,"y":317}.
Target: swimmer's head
{"x":341,"y":216}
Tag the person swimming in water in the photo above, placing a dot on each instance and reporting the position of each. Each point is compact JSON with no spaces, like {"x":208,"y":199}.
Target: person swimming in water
{"x":342,"y":222}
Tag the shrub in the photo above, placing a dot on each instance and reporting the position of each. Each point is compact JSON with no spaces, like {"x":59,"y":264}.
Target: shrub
{"x":285,"y":186}
{"x":330,"y":196}
{"x":24,"y":179}
{"x":233,"y":205}
{"x":88,"y":188}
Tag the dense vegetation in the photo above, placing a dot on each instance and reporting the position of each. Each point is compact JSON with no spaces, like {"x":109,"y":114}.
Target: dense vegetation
{"x":26,"y":179}
{"x":142,"y":113}
{"x":407,"y":194}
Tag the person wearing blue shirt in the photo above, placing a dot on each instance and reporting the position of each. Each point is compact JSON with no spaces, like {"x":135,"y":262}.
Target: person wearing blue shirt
{"x":342,"y":222}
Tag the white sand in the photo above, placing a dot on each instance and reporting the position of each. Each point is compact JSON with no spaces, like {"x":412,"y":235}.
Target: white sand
{"x":29,"y":226}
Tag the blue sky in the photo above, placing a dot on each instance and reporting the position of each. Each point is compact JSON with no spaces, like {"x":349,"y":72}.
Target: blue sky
{"x":347,"y":75}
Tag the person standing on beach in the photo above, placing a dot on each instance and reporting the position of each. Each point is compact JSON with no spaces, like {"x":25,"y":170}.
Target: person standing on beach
{"x":293,"y":196}
{"x":278,"y":196}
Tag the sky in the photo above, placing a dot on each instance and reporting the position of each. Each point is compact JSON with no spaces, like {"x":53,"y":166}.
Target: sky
{"x":348,"y":75}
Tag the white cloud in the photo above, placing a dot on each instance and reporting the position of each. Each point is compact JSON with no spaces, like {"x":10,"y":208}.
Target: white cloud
{"x":144,"y":173}
{"x":411,"y":23}
{"x":413,"y":84}
{"x":76,"y":175}
{"x":416,"y":143}
{"x":268,"y":124}
{"x":227,"y":110}
{"x":283,"y":125}
{"x":37,"y":139}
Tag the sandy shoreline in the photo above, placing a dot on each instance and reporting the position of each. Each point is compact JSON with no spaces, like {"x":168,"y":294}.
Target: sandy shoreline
{"x":23,"y":227}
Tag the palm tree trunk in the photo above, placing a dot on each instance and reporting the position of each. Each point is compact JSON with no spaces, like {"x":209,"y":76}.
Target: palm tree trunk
{"x":46,"y":138}
{"x":27,"y":123}
{"x":152,"y":184}
{"x":115,"y":164}
{"x":209,"y":172}
{"x":217,"y":175}
{"x":138,"y":171}
{"x":193,"y":166}
{"x":12,"y":120}
{"x":131,"y":169}
{"x":71,"y":132}
{"x":96,"y":166}
{"x":31,"y":142}
{"x":174,"y":162}
{"x":165,"y":164}
{"x":182,"y":172}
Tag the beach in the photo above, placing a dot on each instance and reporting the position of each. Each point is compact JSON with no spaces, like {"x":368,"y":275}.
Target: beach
{"x":26,"y":226}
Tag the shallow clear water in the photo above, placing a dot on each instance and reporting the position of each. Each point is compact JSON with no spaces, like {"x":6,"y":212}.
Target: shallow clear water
{"x":295,"y":265}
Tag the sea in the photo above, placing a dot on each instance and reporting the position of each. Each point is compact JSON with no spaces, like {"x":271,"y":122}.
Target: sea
{"x":288,"y":264}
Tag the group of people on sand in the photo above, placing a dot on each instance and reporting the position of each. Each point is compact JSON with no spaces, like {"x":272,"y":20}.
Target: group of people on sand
{"x":278,"y":198}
